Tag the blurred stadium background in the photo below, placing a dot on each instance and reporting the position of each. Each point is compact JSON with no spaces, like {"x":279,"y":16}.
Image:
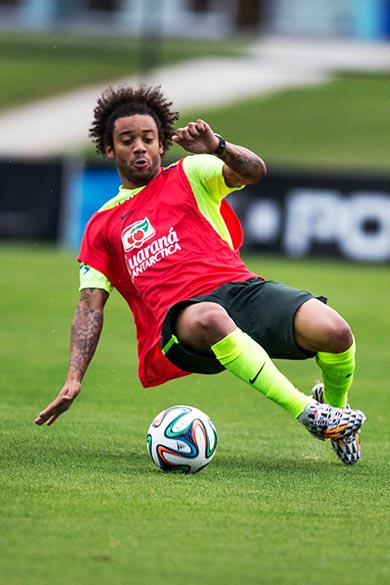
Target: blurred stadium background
{"x":251,"y":48}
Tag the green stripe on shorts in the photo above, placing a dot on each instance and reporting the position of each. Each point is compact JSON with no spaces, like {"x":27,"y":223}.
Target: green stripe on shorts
{"x":169,"y":344}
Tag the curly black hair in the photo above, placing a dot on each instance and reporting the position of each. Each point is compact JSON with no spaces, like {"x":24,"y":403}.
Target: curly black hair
{"x":127,"y":101}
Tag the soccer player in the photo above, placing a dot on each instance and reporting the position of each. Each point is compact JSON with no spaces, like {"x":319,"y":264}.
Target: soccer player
{"x":168,"y":242}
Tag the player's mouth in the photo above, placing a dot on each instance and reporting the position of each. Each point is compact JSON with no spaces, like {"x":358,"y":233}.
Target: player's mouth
{"x":140,"y":164}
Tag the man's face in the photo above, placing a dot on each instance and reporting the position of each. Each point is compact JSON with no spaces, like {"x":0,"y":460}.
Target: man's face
{"x":137,"y":151}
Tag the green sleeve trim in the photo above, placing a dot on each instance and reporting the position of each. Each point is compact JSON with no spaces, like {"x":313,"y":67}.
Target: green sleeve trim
{"x":92,"y":278}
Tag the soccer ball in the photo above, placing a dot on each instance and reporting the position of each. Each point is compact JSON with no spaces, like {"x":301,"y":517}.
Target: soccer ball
{"x":182,"y":439}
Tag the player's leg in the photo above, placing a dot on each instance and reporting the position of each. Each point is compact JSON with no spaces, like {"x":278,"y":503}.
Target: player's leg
{"x":320,"y":329}
{"x":207,"y":327}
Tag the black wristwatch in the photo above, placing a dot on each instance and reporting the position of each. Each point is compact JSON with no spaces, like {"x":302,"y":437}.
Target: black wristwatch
{"x":221,"y":146}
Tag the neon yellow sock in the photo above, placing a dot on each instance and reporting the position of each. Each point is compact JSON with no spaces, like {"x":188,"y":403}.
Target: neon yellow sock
{"x":247,"y":360}
{"x":337,"y":373}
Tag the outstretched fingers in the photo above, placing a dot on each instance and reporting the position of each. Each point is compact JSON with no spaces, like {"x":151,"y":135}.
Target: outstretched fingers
{"x":58,"y":406}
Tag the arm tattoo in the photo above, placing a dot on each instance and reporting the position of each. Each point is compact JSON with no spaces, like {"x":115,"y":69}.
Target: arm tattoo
{"x":244,"y":163}
{"x":86,"y":328}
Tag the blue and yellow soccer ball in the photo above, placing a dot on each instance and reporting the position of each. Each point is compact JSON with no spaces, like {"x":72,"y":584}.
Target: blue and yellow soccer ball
{"x":182,"y":439}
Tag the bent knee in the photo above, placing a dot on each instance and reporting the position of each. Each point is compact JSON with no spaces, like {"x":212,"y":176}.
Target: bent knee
{"x":208,"y":319}
{"x":338,"y":336}
{"x":201,"y":325}
{"x":318,"y":327}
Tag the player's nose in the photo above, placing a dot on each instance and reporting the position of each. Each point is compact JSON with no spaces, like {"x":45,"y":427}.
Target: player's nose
{"x":139,"y":145}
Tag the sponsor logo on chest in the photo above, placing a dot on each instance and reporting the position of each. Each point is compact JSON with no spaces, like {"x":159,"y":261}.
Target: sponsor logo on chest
{"x":142,"y":252}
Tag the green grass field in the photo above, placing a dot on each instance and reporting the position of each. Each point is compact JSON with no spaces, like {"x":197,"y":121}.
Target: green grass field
{"x":82,"y":503}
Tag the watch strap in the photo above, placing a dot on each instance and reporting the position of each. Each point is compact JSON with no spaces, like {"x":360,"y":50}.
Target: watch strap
{"x":221,"y":146}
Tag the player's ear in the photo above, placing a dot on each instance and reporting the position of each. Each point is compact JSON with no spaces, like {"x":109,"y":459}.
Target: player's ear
{"x":161,"y":149}
{"x":110,"y":152}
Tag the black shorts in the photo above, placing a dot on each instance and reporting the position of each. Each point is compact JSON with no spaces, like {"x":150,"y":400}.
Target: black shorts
{"x":263,"y":309}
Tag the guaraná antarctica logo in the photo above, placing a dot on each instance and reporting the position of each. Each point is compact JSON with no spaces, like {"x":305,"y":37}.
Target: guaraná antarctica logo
{"x":136,"y":234}
{"x":143,"y":257}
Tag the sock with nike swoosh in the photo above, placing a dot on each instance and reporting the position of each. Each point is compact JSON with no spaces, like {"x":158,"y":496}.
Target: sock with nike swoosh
{"x":337,"y":372}
{"x":246,"y":359}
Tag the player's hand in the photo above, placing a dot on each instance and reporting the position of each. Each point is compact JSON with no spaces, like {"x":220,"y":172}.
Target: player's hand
{"x":63,"y":401}
{"x":197,"y":137}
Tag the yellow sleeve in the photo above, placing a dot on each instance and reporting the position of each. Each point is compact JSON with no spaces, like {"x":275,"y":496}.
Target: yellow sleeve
{"x":91,"y":278}
{"x":204,"y":172}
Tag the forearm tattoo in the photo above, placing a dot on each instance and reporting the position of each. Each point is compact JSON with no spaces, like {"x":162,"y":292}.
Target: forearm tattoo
{"x":85,"y":333}
{"x":243,"y":162}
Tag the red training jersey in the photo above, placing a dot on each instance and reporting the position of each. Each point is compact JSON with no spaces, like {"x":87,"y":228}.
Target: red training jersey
{"x":158,"y":249}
